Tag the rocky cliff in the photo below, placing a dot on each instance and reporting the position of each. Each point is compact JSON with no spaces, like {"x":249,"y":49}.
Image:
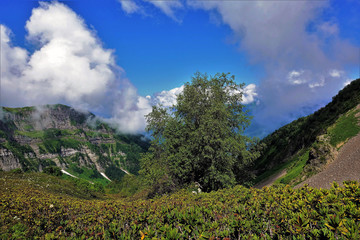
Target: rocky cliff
{"x":57,"y":135}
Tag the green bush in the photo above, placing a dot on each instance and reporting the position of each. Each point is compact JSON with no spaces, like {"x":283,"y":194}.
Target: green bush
{"x":51,"y":170}
{"x":17,"y":171}
{"x":29,"y":211}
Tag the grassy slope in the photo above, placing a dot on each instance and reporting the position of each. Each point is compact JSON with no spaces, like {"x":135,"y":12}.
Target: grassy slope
{"x":346,"y":127}
{"x":285,"y":144}
{"x":36,"y":206}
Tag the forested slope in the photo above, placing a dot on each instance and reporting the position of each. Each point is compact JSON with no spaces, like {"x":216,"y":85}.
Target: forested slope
{"x":310,"y":138}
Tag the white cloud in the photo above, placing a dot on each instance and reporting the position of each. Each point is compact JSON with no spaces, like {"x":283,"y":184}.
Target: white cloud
{"x":320,"y":83}
{"x":348,"y":81}
{"x":69,"y":66}
{"x":299,"y":64}
{"x":129,"y":6}
{"x":167,"y":7}
{"x":336,"y":73}
{"x":129,"y":111}
{"x":295,"y":77}
{"x":249,"y":94}
{"x":13,"y":63}
{"x":167,"y":98}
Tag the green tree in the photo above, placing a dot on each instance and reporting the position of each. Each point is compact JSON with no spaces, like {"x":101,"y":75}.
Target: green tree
{"x":200,"y":139}
{"x":51,"y":170}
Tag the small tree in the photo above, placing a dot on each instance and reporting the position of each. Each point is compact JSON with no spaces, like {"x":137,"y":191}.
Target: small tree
{"x":200,"y":138}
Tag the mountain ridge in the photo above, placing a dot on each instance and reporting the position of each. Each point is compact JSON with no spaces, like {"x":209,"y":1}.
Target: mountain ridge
{"x":33,"y":138}
{"x":304,"y":146}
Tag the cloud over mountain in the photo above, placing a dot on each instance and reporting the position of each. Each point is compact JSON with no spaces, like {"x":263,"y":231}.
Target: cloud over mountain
{"x":69,"y":66}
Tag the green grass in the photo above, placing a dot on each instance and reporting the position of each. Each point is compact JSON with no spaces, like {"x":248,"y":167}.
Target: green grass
{"x":31,"y":134}
{"x":93,"y":134}
{"x":2,"y":134}
{"x":46,"y":134}
{"x":71,"y":143}
{"x":293,"y":172}
{"x":272,"y":171}
{"x":345,"y":128}
{"x":89,"y":174}
{"x":49,"y":184}
{"x":19,"y":110}
{"x":294,"y":166}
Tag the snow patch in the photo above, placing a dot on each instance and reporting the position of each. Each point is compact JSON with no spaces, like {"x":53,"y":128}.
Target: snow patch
{"x":125,"y":171}
{"x":103,"y":174}
{"x":65,"y":172}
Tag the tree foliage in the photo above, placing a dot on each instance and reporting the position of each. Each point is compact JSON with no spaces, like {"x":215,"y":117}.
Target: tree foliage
{"x":200,"y":138}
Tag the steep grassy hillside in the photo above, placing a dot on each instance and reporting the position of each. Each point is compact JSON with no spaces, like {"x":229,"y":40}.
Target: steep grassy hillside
{"x":34,"y":206}
{"x":34,"y":139}
{"x":310,"y":140}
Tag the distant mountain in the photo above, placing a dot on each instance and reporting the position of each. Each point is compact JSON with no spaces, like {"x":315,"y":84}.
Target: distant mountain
{"x":35,"y":138}
{"x":302,"y":148}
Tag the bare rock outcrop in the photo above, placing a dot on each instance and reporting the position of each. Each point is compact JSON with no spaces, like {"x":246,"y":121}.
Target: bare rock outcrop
{"x":8,"y":160}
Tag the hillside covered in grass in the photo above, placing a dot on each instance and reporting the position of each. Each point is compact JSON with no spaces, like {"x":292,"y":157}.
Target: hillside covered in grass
{"x":37,"y":206}
{"x":34,"y":139}
{"x":306,"y":145}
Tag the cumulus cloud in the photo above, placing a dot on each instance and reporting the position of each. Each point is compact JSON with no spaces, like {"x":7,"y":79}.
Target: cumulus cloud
{"x":249,"y":94}
{"x":68,"y":66}
{"x":304,"y":65}
{"x":13,"y":63}
{"x":166,"y":98}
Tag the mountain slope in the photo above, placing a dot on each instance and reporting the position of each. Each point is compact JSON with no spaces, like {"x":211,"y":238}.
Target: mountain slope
{"x":346,"y":165}
{"x":306,"y":145}
{"x":57,"y":135}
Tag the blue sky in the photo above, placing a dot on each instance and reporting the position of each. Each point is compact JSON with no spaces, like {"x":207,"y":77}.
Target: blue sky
{"x":293,"y":56}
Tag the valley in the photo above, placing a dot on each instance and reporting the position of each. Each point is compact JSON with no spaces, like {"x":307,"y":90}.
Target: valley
{"x":67,"y":175}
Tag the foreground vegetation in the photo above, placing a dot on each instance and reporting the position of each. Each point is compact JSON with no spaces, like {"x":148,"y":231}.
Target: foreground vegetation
{"x":32,"y":208}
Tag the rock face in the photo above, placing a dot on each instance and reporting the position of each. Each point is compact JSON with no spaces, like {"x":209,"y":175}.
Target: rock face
{"x":321,"y":154}
{"x":7,"y":160}
{"x":34,"y":138}
{"x":46,"y":117}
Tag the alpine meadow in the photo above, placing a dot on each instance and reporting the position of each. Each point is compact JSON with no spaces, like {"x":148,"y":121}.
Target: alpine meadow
{"x":179,"y":119}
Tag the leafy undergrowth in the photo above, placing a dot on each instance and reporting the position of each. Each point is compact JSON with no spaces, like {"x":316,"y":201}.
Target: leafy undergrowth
{"x":30,"y":212}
